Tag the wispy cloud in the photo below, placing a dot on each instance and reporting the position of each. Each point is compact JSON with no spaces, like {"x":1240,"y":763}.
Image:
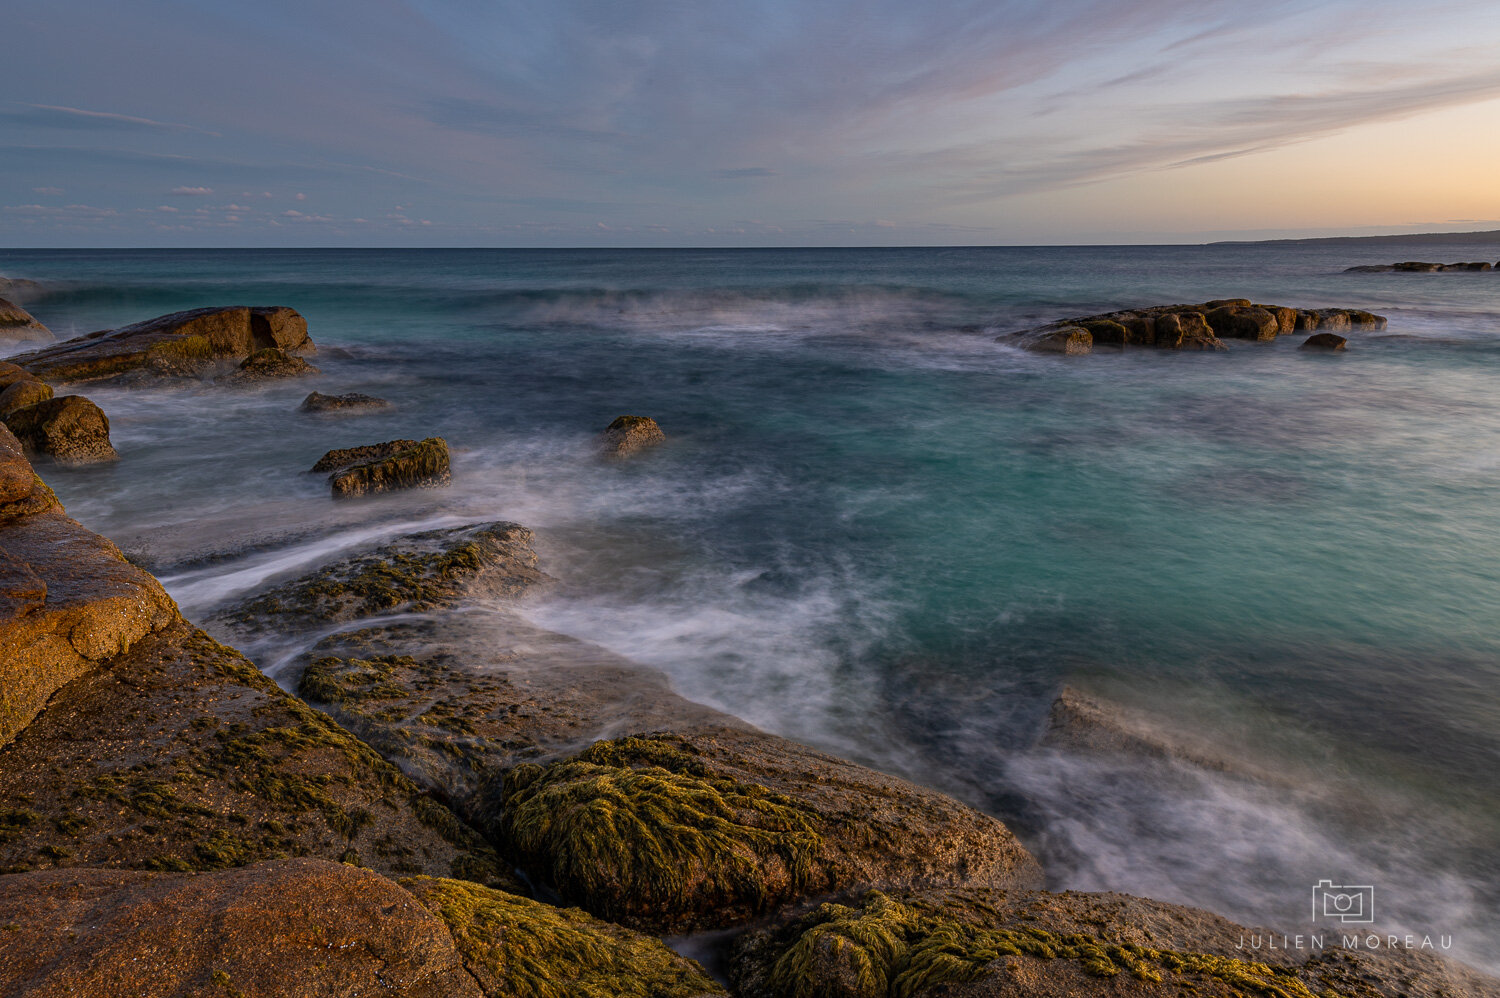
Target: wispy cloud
{"x":191,"y":192}
{"x":57,"y":116}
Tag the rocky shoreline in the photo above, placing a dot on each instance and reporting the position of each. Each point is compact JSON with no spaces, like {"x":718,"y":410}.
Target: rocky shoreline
{"x":459,"y":803}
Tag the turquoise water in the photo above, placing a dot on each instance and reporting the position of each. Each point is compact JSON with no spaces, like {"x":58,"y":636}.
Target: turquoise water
{"x":878,"y":530}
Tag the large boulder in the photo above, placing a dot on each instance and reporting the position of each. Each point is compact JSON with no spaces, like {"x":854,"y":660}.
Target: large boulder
{"x":342,"y":458}
{"x":629,"y":435}
{"x":423,"y":465}
{"x":195,"y":343}
{"x":17,"y":326}
{"x":69,"y":429}
{"x":981,"y":943}
{"x":1071,"y":341}
{"x":1325,"y":341}
{"x":1243,"y":322}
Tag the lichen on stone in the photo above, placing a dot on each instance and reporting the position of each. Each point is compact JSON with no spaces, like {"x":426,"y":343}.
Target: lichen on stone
{"x":520,"y":947}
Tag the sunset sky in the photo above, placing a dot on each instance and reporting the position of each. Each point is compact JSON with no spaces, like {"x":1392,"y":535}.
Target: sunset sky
{"x":699,"y":122}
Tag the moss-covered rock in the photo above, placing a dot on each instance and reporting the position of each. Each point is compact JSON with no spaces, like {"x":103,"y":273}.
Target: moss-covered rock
{"x":422,"y":465}
{"x":971,"y":943}
{"x":69,"y":429}
{"x":629,"y":435}
{"x":676,"y":832}
{"x":517,"y":948}
{"x":183,"y":344}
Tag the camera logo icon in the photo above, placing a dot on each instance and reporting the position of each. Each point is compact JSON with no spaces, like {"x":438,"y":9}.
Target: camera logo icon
{"x":1350,"y":905}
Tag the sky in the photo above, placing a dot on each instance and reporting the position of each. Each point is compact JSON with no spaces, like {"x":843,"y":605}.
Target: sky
{"x":771,"y":123}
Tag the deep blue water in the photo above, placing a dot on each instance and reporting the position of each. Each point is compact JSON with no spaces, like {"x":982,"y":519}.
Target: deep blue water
{"x":876,"y":529}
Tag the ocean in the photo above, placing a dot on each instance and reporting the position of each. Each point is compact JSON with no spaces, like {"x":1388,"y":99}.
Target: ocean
{"x":876,"y":530}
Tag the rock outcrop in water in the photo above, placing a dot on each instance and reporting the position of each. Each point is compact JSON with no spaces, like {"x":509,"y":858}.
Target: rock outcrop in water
{"x":629,"y":435}
{"x":1186,"y":327}
{"x":1325,"y":341}
{"x":421,"y":465}
{"x":352,"y":402}
{"x":1419,"y":267}
{"x":191,"y":344}
{"x":17,"y":326}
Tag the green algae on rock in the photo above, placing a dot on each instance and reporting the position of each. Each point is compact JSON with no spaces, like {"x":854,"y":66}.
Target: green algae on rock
{"x":526,"y":949}
{"x":424,"y":465}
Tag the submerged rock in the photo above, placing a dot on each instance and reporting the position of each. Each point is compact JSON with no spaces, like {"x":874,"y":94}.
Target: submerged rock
{"x":353,"y":402}
{"x":629,"y":435}
{"x":1324,"y":341}
{"x":1185,"y":327}
{"x":69,"y":429}
{"x":978,"y":943}
{"x":184,"y":344}
{"x":270,"y":364}
{"x":423,"y":465}
{"x":17,"y":326}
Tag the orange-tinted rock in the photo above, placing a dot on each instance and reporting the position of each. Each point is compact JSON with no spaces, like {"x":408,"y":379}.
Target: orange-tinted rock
{"x":69,"y":429}
{"x":423,"y":465}
{"x":1241,"y":322}
{"x":18,"y":326}
{"x":183,"y":344}
{"x":1324,"y":341}
{"x":22,"y":394}
{"x":629,"y":435}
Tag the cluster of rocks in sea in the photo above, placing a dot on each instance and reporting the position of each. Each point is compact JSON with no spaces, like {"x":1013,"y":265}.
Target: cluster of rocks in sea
{"x":1194,"y":327}
{"x":1420,"y":267}
{"x":464,"y":804}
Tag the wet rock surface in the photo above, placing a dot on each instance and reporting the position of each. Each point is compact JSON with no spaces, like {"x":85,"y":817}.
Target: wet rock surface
{"x":1185,"y":327}
{"x":350,"y":403}
{"x":189,"y":344}
{"x":270,"y":364}
{"x":1028,"y":944}
{"x":423,"y":465}
{"x":1420,"y":267}
{"x":69,"y":429}
{"x":629,"y":435}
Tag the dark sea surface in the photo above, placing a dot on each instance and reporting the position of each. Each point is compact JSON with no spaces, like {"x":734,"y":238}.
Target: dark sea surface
{"x":877,"y":530}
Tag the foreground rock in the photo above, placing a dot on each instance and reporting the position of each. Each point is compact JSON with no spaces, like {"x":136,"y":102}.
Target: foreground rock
{"x":1024,"y":944}
{"x":1418,"y":267}
{"x":69,"y":429}
{"x":270,"y":364}
{"x":17,"y":327}
{"x":585,"y":768}
{"x":352,"y":402}
{"x":400,"y":464}
{"x":192,"y":344}
{"x":1185,"y":327}
{"x":301,"y":927}
{"x":135,"y":740}
{"x":629,"y":435}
